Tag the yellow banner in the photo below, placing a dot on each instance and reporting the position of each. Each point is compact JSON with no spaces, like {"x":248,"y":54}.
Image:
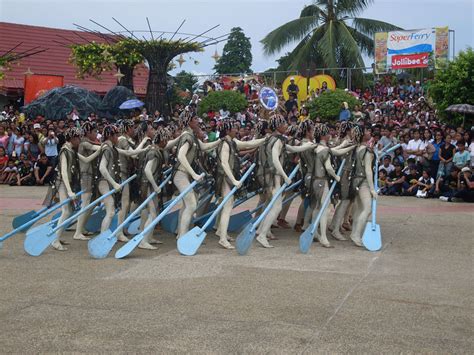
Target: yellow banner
{"x":381,"y":52}
{"x":442,"y":46}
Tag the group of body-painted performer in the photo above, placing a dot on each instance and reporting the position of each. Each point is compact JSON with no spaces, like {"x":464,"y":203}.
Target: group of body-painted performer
{"x":146,"y":150}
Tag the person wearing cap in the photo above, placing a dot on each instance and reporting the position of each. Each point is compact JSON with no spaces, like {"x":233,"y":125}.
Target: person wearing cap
{"x":465,"y":185}
{"x":292,"y":89}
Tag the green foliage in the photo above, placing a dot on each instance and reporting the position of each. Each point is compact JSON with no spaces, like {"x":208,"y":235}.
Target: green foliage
{"x":94,"y":58}
{"x":234,"y":101}
{"x":186,"y":81}
{"x":328,"y":105}
{"x":454,"y":84}
{"x":328,"y":34}
{"x":236,"y":57}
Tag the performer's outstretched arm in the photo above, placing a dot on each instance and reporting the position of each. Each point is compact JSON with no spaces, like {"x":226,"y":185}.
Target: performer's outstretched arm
{"x":90,"y":158}
{"x":90,"y":146}
{"x":132,"y":152}
{"x":208,"y":146}
{"x":249,"y":144}
{"x":341,"y":151}
{"x":172,"y":143}
{"x":300,"y":148}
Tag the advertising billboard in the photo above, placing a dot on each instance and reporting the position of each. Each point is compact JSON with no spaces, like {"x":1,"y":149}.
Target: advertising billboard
{"x":37,"y":84}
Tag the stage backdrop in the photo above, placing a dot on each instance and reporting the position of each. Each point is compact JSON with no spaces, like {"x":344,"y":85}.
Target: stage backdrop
{"x":38,"y":84}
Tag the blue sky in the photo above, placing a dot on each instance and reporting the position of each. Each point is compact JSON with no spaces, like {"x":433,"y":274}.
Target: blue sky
{"x":257,"y":18}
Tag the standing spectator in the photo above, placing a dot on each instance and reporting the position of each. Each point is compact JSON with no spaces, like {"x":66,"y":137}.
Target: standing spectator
{"x":446,"y":154}
{"x":50,"y":144}
{"x":435,"y":159}
{"x":18,"y":142}
{"x":292,"y":89}
{"x":291,"y":103}
{"x":415,"y":147}
{"x":34,"y":148}
{"x":3,"y":138}
{"x":43,"y":170}
{"x":345,"y":113}
{"x":461,"y":158}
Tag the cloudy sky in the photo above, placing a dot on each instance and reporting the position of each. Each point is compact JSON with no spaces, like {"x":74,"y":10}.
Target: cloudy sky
{"x":257,"y":18}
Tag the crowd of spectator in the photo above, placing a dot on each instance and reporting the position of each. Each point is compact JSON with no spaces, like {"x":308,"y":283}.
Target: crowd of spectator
{"x":435,"y":159}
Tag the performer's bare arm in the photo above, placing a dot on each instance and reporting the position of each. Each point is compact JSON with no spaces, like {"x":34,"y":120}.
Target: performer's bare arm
{"x":90,"y":146}
{"x":184,"y":161}
{"x":149,"y":167}
{"x":249,"y":144}
{"x":172,"y":143}
{"x":105,"y":173}
{"x":225,"y":164}
{"x":276,"y":150}
{"x":337,"y":151}
{"x":208,"y":146}
{"x":90,"y":158}
{"x":368,"y":172}
{"x":65,"y":176}
{"x":133,"y":153}
{"x":300,"y":148}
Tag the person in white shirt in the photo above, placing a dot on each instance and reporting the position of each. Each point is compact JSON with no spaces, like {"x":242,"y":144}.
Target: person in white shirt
{"x":415,"y":147}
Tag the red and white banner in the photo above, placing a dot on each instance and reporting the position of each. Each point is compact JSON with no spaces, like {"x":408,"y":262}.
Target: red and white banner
{"x":405,"y":61}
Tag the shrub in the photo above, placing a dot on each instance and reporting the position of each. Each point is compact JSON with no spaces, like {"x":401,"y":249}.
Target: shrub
{"x":234,"y":101}
{"x":328,"y":104}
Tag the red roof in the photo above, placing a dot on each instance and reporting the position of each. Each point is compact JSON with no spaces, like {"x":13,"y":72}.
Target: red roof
{"x":54,"y":61}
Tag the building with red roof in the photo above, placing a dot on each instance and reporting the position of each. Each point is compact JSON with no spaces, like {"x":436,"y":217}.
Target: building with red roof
{"x":53,"y":61}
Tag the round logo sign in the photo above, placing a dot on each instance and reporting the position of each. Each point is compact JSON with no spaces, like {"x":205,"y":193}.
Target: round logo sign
{"x":268,"y":98}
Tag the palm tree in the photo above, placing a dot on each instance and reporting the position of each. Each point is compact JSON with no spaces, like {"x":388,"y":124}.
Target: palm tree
{"x":330,"y":35}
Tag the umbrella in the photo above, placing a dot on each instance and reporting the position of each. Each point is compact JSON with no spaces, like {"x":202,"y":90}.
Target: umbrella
{"x":129,"y":104}
{"x":464,"y":109}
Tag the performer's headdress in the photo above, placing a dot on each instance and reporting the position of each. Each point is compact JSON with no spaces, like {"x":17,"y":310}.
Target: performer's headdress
{"x":276,"y":121}
{"x":358,"y":132}
{"x":345,"y":126}
{"x":162,"y":134}
{"x":72,"y":132}
{"x":88,"y":127}
{"x":125,"y":125}
{"x":261,"y":127}
{"x":320,"y":130}
{"x":225,"y":126}
{"x":304,"y":127}
{"x":185,"y":118}
{"x":109,"y":131}
{"x":291,"y":131}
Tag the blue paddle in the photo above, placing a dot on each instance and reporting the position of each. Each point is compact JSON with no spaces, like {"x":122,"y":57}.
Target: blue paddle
{"x":28,"y":224}
{"x":306,"y":238}
{"x":246,"y":237}
{"x":238,"y":220}
{"x":133,"y":243}
{"x":20,"y":220}
{"x":189,"y":243}
{"x":37,"y":241}
{"x":100,"y":246}
{"x":372,"y":237}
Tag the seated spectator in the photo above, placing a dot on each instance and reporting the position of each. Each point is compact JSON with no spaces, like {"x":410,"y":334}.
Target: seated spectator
{"x":461,"y":158}
{"x":387,"y":165}
{"x":43,"y":170}
{"x":24,"y":177}
{"x":3,"y":159}
{"x":396,"y":180}
{"x":425,"y":185}
{"x":465,"y":185}
{"x":447,"y":186}
{"x":382,"y":182}
{"x":411,"y":181}
{"x":9,"y":173}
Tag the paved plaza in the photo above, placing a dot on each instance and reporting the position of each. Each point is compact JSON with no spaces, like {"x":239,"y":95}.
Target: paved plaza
{"x":414,"y":296}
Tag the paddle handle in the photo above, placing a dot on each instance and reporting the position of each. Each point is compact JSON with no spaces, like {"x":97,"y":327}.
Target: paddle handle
{"x":157,"y":220}
{"x":327,"y":199}
{"x":36,"y":219}
{"x":292,"y":186}
{"x":273,"y":200}
{"x":89,"y":206}
{"x":227,"y":198}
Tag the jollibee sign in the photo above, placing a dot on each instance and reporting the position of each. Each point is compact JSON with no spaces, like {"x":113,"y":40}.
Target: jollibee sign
{"x":410,"y":61}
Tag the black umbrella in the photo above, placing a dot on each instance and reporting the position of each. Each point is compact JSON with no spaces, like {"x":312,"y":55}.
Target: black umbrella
{"x":464,"y":109}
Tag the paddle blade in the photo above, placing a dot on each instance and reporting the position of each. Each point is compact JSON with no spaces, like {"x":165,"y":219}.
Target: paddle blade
{"x":189,"y":243}
{"x":39,"y":239}
{"x":95,"y":221}
{"x":100,"y":246}
{"x":306,"y":239}
{"x":372,"y":238}
{"x":170,"y":222}
{"x":237,"y":221}
{"x":129,"y":246}
{"x":245,"y":239}
{"x":134,"y":227}
{"x":18,"y":221}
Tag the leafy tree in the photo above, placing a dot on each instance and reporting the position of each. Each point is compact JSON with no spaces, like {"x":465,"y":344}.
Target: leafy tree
{"x":234,"y":101}
{"x":329,"y":34}
{"x":454,"y":84}
{"x":236,"y":57}
{"x":186,"y":81}
{"x":328,"y":105}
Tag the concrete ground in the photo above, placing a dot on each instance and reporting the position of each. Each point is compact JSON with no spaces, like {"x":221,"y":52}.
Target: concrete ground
{"x":414,"y":296}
